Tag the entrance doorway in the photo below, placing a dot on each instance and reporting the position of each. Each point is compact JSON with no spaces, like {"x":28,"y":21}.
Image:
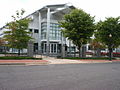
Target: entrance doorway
{"x":53,"y":48}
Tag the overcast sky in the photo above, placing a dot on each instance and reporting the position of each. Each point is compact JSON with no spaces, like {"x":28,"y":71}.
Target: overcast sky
{"x":98,"y":8}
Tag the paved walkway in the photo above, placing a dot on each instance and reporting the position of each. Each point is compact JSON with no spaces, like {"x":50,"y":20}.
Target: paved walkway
{"x":23,"y":62}
{"x":69,"y":61}
{"x":61,"y":61}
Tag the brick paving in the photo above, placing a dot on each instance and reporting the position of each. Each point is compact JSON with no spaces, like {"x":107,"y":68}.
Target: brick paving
{"x":23,"y":62}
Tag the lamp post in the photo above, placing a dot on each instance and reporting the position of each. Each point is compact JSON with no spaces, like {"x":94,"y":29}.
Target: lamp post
{"x":110,"y":48}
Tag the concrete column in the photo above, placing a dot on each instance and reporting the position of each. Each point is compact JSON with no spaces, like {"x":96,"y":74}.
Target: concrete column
{"x":48,"y":30}
{"x":62,"y":47}
{"x":39,"y":35}
{"x":30,"y":49}
{"x":70,"y":48}
{"x":63,"y":50}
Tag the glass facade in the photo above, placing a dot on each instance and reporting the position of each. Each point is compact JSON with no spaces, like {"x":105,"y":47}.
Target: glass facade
{"x":53,"y":47}
{"x":43,"y":30}
{"x":55,"y":33}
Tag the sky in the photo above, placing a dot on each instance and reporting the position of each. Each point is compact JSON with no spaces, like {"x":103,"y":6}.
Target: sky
{"x":98,"y":8}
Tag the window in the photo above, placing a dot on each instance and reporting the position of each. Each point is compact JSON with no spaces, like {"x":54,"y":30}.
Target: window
{"x":90,"y":47}
{"x":43,"y":35}
{"x":30,"y":30}
{"x":35,"y":47}
{"x":54,"y":31}
{"x":36,"y":31}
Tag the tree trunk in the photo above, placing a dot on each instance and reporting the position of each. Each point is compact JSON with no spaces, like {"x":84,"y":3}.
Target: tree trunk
{"x":74,"y":52}
{"x":83,"y":51}
{"x":110,"y":54}
{"x":79,"y":51}
{"x":98,"y":52}
{"x":18,"y":52}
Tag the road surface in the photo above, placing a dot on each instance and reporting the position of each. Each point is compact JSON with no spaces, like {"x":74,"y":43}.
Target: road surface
{"x":99,"y":76}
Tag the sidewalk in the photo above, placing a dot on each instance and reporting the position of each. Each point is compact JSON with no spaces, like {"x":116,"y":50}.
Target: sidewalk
{"x":52,"y":60}
{"x":23,"y":62}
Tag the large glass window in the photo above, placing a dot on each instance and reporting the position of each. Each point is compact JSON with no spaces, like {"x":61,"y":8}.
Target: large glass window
{"x":55,"y":33}
{"x":43,"y":30}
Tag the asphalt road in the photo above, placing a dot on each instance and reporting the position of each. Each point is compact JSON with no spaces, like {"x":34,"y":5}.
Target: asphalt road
{"x":61,"y":77}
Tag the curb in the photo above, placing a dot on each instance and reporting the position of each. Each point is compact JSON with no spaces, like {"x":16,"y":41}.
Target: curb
{"x":96,"y":62}
{"x":82,"y":63}
{"x":42,"y":63}
{"x":116,"y":61}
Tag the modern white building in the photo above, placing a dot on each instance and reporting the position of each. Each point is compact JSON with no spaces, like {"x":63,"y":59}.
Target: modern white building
{"x":45,"y":30}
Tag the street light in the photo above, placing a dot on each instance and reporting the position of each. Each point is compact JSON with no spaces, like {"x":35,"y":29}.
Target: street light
{"x":110,"y":48}
{"x":110,"y":35}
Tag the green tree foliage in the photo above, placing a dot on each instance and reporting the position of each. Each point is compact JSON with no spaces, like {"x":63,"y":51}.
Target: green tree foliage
{"x":108,"y":32}
{"x":2,"y":42}
{"x":96,"y":45}
{"x":78,"y":27}
{"x":17,"y":35}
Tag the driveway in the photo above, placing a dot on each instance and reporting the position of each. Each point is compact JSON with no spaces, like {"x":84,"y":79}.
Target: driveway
{"x":53,"y":60}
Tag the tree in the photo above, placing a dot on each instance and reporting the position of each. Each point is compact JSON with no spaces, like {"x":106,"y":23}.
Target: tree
{"x":17,"y":35}
{"x":108,"y":32}
{"x":2,"y":45}
{"x":97,"y":46}
{"x":78,"y":27}
{"x":2,"y":42}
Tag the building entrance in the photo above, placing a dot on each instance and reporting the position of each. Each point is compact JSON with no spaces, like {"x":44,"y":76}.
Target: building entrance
{"x":53,"y":48}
